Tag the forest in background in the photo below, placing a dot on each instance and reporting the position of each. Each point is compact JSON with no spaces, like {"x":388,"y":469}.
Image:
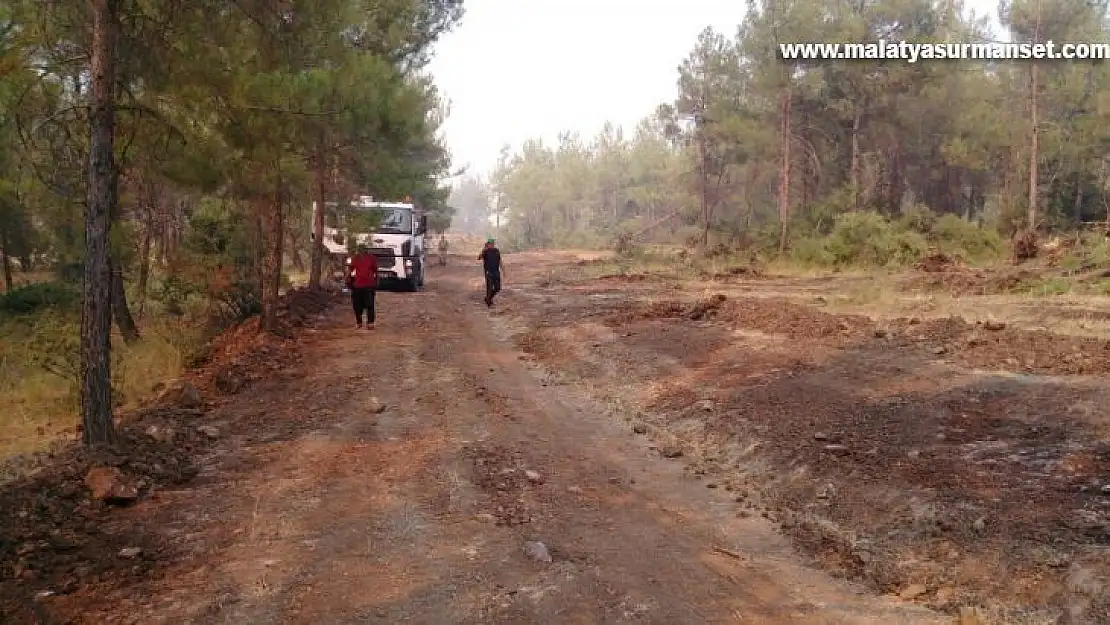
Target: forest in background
{"x":838,"y":162}
{"x":158,"y":163}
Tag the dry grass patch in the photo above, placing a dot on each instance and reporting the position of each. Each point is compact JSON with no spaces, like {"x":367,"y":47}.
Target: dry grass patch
{"x":40,"y":406}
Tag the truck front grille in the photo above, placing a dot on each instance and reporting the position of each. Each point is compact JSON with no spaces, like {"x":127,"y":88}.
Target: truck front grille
{"x":385,"y":257}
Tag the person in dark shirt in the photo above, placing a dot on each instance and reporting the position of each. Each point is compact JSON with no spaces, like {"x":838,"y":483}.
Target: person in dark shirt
{"x":362,"y":278}
{"x":491,"y":263}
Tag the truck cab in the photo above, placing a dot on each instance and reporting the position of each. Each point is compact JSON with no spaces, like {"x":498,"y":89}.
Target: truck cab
{"x":397,"y":242}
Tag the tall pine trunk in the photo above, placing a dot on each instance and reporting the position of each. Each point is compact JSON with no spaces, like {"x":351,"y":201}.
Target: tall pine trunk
{"x":317,"y":269}
{"x":1034,"y":151}
{"x":854,"y":168}
{"x":120,"y":310}
{"x":271,"y":263}
{"x":144,"y":264}
{"x":96,"y":312}
{"x":784,"y":171}
{"x":7,"y":258}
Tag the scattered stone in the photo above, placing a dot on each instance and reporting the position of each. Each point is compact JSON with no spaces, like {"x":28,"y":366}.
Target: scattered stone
{"x":533,"y":477}
{"x":914,"y":454}
{"x":828,"y":491}
{"x":160,"y":434}
{"x":130,"y":552}
{"x":711,"y":485}
{"x":705,"y":405}
{"x":913,"y":591}
{"x":980,"y":524}
{"x":228,"y":383}
{"x":1106,"y":489}
{"x":43,"y":595}
{"x":881,"y":333}
{"x":110,"y":485}
{"x":210,"y":431}
{"x":994,"y":326}
{"x":671,"y":451}
{"x":839,"y":450}
{"x":190,"y":397}
{"x":940,"y":349}
{"x":376,"y":406}
{"x":640,"y":428}
{"x":537,"y":551}
{"x":820,"y":436}
{"x":574,"y":489}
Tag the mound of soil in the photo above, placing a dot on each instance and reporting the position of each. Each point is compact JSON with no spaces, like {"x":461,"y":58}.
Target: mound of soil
{"x":740,"y":271}
{"x":244,"y":353}
{"x":797,"y":321}
{"x":936,"y":262}
{"x":769,"y":316}
{"x":670,"y":309}
{"x":297,"y":306}
{"x":960,"y":283}
{"x":1024,"y":244}
{"x":992,"y":345}
{"x":56,"y":536}
{"x":937,"y":489}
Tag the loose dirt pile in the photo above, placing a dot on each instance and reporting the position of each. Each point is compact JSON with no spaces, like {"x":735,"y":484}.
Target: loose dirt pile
{"x":56,"y":536}
{"x":946,"y":490}
{"x":739,"y":271}
{"x":1024,"y":244}
{"x":69,"y":522}
{"x":243,"y":354}
{"x":993,"y":345}
{"x":936,"y":262}
{"x":964,"y":283}
{"x":769,"y":316}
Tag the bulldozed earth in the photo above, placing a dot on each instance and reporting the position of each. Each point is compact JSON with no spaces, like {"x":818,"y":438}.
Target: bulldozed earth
{"x":604,"y":445}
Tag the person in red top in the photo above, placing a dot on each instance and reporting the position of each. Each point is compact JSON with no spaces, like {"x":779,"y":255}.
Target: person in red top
{"x":362,"y":278}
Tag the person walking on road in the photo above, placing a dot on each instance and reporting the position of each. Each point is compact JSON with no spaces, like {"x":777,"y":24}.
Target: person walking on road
{"x":491,"y":263}
{"x":442,"y":251}
{"x":362,"y":278}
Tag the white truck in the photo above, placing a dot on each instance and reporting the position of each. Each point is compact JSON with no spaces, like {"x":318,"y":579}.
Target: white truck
{"x":397,"y":242}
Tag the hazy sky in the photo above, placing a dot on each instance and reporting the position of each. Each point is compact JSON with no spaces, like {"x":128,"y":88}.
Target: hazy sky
{"x":515,"y":69}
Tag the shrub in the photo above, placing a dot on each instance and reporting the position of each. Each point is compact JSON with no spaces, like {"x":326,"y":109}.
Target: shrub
{"x":869,"y":239}
{"x":918,"y":218}
{"x":39,"y":297}
{"x":624,"y":244}
{"x":811,"y":251}
{"x":959,"y":237}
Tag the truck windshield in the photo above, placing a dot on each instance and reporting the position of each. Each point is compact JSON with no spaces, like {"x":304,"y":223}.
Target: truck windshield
{"x":393,"y":220}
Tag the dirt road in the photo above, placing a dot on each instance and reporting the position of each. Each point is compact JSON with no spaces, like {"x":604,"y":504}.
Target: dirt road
{"x":402,"y":475}
{"x":686,"y":450}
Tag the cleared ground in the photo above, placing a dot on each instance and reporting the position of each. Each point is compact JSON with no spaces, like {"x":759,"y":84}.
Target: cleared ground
{"x":729,"y":450}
